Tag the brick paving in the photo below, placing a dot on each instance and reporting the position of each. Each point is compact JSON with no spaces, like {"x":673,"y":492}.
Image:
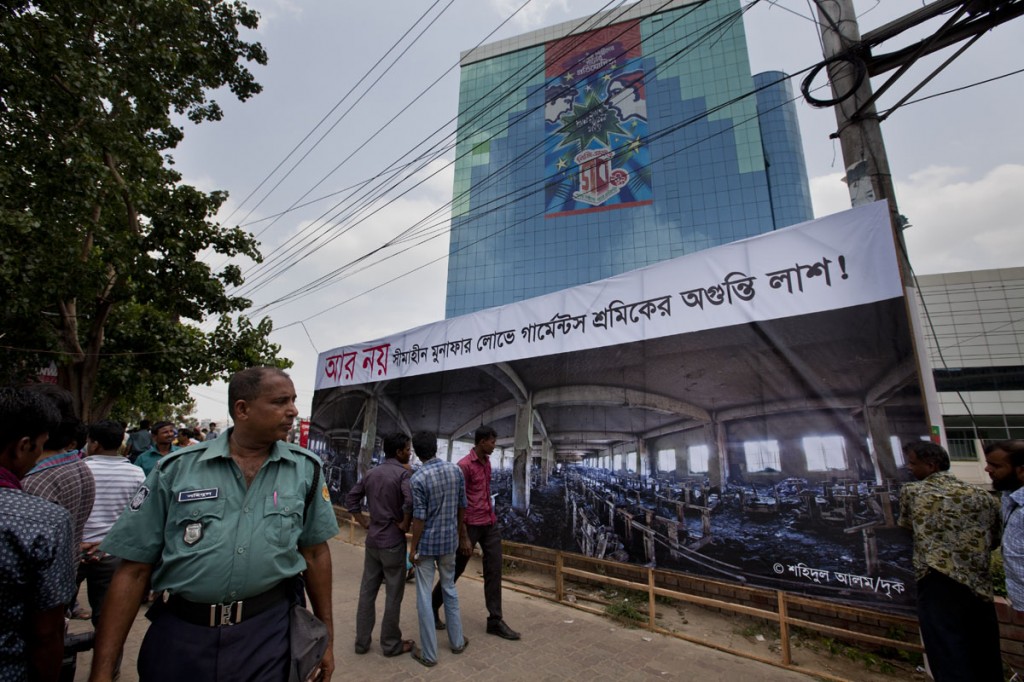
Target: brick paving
{"x":559,"y":643}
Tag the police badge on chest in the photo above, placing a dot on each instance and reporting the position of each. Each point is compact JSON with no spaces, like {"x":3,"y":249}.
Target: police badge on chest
{"x":193,"y":533}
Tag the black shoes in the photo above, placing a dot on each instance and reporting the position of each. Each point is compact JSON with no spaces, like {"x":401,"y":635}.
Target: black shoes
{"x":502,"y":630}
{"x":439,"y":624}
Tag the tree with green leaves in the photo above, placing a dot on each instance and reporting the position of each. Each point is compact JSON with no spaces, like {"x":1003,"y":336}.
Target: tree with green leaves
{"x":100,"y":241}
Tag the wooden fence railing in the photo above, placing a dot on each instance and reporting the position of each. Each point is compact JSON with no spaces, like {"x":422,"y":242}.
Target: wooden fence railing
{"x":781,"y":608}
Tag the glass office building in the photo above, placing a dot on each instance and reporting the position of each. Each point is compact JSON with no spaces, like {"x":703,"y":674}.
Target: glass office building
{"x":612,"y":142}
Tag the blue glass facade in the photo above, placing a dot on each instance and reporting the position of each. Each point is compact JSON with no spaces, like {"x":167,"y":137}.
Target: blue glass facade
{"x":697,"y":138}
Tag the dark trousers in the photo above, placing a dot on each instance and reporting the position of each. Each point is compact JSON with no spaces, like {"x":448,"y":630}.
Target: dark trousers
{"x":255,"y":649}
{"x":97,"y":576}
{"x":960,"y":631}
{"x":489,"y":539}
{"x":381,"y":566}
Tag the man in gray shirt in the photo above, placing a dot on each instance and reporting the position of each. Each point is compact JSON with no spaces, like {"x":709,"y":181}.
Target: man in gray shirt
{"x":389,"y":500}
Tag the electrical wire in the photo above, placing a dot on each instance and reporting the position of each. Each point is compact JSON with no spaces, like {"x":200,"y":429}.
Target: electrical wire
{"x":954,"y":90}
{"x":540,"y":145}
{"x":540,"y":213}
{"x":324,"y":118}
{"x":423,"y":159}
{"x":325,"y":280}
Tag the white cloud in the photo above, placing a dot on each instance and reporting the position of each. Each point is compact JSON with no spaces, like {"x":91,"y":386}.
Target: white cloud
{"x":535,"y":15}
{"x":958,"y":222}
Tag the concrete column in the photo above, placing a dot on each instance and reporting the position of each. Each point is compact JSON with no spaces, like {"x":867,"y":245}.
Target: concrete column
{"x":651,"y":455}
{"x":882,"y":458}
{"x":521,"y":464}
{"x":451,"y":448}
{"x":718,"y":457}
{"x":547,"y":460}
{"x":369,"y":435}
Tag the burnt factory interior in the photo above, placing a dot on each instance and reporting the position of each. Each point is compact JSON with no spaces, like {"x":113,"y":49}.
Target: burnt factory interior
{"x":766,"y":453}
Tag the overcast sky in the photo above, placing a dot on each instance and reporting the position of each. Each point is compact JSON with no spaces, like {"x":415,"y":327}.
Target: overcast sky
{"x":957,"y":160}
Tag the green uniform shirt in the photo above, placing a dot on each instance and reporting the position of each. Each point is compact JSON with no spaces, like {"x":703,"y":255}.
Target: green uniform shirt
{"x":148,"y":459}
{"x":211,"y":539}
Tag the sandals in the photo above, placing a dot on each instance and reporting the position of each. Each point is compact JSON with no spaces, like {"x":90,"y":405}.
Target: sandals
{"x":407,"y":646}
{"x":417,"y":656}
{"x":460,"y":649}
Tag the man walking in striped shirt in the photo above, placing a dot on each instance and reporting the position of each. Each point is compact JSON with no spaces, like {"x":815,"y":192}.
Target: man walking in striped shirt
{"x":117,"y":481}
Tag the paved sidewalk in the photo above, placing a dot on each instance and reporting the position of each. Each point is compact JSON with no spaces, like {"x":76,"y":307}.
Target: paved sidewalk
{"x":559,"y":643}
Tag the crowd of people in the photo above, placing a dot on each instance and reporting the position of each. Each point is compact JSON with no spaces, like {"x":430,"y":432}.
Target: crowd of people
{"x":232,"y":532}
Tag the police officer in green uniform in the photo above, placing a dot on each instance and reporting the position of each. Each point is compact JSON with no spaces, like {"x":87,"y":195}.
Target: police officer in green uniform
{"x":224,"y":527}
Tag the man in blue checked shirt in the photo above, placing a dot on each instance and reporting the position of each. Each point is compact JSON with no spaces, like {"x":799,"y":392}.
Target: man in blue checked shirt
{"x":438,"y":506}
{"x":1004,"y":463}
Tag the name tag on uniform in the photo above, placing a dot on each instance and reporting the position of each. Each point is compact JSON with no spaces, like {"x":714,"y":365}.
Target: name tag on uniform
{"x":196,"y":495}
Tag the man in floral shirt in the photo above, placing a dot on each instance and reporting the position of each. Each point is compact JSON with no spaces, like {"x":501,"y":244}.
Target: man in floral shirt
{"x":955,"y":527}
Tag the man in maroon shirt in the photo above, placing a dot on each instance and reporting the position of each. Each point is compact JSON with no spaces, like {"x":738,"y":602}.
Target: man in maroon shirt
{"x":481,"y":527}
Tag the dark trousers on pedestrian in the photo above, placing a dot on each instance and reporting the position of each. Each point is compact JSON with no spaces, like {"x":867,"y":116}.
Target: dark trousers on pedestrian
{"x":960,"y":631}
{"x":489,"y":539}
{"x":258,"y":648}
{"x":97,"y":576}
{"x":381,"y":566}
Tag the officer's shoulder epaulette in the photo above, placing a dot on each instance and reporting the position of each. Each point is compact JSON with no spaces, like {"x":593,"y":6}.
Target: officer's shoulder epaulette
{"x":298,"y":449}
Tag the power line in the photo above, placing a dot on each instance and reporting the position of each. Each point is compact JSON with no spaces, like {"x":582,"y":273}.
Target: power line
{"x":321,"y":121}
{"x":254,"y":275}
{"x":541,"y":188}
{"x":949,"y":92}
{"x":485,"y":126}
{"x":328,"y":279}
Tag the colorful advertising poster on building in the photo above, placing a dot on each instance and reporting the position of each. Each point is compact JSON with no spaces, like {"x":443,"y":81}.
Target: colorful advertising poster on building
{"x":735,"y":413}
{"x":595,"y":122}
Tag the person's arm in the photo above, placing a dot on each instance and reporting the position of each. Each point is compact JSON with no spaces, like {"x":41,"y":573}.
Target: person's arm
{"x":465,"y":545}
{"x":318,"y":586}
{"x":45,"y":644}
{"x":120,"y":608}
{"x":406,"y":521}
{"x":417,"y":533}
{"x":354,"y":503}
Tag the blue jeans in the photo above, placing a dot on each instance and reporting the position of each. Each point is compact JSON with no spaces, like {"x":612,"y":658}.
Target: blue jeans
{"x":452,"y":617}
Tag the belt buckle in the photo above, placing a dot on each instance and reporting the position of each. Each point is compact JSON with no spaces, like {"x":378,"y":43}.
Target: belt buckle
{"x":221,"y":614}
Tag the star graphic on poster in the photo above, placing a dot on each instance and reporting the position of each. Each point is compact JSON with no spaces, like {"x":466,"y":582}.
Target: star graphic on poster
{"x":606,"y":77}
{"x":568,"y":77}
{"x":634,"y":145}
{"x":562,"y":163}
{"x":588,"y":122}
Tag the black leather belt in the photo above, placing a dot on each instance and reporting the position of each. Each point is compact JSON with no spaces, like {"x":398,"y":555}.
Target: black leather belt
{"x":231,"y":613}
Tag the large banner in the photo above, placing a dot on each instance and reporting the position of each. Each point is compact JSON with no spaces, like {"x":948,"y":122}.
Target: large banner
{"x":736,"y":413}
{"x":595,"y":122}
{"x":842,"y":260}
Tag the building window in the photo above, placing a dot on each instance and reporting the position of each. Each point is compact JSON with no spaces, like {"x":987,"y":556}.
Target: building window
{"x":897,"y":450}
{"x":825,"y":453}
{"x":762,"y":455}
{"x":667,"y":460}
{"x":631,"y":463}
{"x":697,"y":457}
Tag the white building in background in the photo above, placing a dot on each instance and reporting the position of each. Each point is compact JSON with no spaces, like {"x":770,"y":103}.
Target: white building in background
{"x":973,"y":324}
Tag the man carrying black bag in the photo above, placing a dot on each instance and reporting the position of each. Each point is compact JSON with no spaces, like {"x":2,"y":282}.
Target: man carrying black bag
{"x":226,"y":528}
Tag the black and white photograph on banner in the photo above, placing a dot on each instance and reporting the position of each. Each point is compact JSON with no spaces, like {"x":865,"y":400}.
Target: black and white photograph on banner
{"x":737,"y":413}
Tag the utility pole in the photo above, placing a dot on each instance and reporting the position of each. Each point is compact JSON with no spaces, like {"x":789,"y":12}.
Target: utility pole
{"x":868,"y":177}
